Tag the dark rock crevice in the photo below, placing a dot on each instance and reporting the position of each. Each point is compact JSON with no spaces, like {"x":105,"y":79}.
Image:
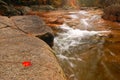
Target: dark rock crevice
{"x":47,"y":37}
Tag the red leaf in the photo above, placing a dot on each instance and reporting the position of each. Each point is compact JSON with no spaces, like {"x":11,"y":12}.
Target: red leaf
{"x":26,"y":63}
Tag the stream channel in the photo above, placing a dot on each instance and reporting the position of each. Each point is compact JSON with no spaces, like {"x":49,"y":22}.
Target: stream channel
{"x":80,"y":48}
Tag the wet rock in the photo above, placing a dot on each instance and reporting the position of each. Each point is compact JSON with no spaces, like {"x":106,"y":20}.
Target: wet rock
{"x":112,"y":12}
{"x":33,"y":25}
{"x":42,"y":7}
{"x":112,"y":18}
{"x":24,"y":10}
{"x":105,"y":16}
{"x":118,"y":19}
{"x":7,"y":10}
{"x":11,"y":11}
{"x":3,"y":8}
{"x":73,"y":22}
{"x":52,"y":18}
{"x":2,"y":2}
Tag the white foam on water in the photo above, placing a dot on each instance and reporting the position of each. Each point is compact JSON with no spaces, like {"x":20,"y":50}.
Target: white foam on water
{"x":73,"y":37}
{"x":77,"y":39}
{"x":62,"y":57}
{"x":71,"y":64}
{"x":84,"y":22}
{"x":74,"y":16}
{"x":72,"y":12}
{"x":83,"y":12}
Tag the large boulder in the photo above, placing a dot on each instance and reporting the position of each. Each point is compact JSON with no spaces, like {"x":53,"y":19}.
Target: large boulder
{"x":15,"y":51}
{"x":16,"y":48}
{"x":35,"y":26}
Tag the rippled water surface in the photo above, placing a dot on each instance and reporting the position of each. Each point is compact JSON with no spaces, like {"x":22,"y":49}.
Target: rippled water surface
{"x":83,"y":47}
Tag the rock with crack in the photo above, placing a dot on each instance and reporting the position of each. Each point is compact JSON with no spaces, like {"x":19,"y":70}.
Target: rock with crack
{"x":35,"y":26}
{"x":5,"y":22}
{"x":24,"y":57}
{"x":8,"y":32}
{"x":8,"y":29}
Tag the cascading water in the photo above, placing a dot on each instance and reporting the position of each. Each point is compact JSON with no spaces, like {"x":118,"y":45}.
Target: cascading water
{"x":72,"y":38}
{"x":80,"y":51}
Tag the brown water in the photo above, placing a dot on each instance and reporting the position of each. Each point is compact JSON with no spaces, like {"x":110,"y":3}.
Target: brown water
{"x":88,"y":47}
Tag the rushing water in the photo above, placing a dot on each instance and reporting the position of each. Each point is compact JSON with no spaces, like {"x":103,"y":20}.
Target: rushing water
{"x":80,"y":51}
